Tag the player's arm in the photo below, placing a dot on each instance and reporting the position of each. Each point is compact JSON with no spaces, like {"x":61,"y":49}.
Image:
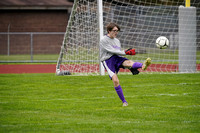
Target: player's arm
{"x":111,"y":49}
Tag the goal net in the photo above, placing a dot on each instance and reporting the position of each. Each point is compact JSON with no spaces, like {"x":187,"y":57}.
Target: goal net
{"x":141,"y":23}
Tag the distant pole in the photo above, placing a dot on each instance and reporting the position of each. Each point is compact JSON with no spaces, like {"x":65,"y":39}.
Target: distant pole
{"x":31,"y":47}
{"x":187,"y":3}
{"x":8,"y":40}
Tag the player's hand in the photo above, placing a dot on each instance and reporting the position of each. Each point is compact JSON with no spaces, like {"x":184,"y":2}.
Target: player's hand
{"x":130,"y":51}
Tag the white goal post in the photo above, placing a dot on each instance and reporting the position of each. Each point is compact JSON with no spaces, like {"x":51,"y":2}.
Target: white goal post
{"x":141,"y":23}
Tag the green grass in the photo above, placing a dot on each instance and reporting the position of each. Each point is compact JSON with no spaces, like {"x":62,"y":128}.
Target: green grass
{"x":25,"y":58}
{"x":48,"y":103}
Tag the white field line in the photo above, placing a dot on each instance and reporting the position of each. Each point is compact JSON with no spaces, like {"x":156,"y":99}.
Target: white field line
{"x":92,"y":122}
{"x":103,"y":97}
{"x":111,"y":89}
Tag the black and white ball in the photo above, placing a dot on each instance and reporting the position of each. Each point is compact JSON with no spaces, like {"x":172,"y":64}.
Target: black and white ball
{"x":162,"y":42}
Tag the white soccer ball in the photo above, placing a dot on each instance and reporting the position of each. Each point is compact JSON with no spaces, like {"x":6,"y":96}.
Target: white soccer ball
{"x":162,"y":42}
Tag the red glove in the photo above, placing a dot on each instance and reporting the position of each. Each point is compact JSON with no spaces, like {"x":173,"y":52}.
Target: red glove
{"x":130,"y":51}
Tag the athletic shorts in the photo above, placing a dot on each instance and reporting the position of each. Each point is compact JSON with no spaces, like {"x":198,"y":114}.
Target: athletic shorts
{"x":113,"y":64}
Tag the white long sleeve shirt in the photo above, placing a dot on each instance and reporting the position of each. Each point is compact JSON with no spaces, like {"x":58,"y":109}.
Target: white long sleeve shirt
{"x":109,"y":47}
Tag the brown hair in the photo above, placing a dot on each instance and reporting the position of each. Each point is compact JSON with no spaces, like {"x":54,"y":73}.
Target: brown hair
{"x":110,"y":26}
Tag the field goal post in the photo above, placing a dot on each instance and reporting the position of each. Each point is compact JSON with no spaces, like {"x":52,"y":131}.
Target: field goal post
{"x":100,"y":22}
{"x":141,"y":22}
{"x":60,"y":70}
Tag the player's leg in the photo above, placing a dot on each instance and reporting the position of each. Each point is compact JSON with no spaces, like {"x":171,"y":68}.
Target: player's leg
{"x":113,"y":76}
{"x":118,"y":89}
{"x":133,"y":66}
{"x":115,"y":80}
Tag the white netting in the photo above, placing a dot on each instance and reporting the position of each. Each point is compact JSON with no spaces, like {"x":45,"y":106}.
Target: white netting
{"x":141,"y":23}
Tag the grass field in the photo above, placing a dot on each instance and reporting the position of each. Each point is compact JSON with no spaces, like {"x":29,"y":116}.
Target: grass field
{"x":48,"y":103}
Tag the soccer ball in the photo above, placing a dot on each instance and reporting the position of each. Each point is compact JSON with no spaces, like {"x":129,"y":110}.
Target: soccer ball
{"x":162,"y":42}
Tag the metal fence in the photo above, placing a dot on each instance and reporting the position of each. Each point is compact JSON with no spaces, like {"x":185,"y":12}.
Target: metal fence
{"x":30,"y":46}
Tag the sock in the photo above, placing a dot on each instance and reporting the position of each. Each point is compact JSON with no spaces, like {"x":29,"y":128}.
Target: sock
{"x":120,"y":93}
{"x":137,"y":65}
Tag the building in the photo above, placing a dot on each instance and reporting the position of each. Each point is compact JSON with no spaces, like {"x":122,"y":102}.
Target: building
{"x":33,"y":26}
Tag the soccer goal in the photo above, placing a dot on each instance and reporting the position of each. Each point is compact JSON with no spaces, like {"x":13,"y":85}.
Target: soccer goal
{"x":141,"y":23}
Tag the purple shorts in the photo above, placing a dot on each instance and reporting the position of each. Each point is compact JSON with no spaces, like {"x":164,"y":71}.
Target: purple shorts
{"x":113,"y":64}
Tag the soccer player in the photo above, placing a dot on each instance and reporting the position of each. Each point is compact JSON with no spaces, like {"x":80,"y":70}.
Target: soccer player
{"x":111,"y":57}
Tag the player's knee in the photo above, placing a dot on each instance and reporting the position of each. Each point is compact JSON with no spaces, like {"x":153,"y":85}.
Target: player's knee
{"x":128,"y":63}
{"x":116,"y":82}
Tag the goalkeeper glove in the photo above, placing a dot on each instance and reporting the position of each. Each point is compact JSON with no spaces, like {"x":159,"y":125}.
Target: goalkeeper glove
{"x":130,"y":51}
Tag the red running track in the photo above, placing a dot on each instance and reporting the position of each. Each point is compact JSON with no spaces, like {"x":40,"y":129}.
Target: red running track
{"x":51,"y":68}
{"x":28,"y":68}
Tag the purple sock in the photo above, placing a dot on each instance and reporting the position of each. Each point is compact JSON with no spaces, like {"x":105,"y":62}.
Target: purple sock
{"x":137,"y":65}
{"x":120,"y":93}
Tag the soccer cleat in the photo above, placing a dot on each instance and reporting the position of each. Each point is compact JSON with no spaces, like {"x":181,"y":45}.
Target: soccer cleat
{"x":125,"y":104}
{"x":134,"y":71}
{"x":146,"y":63}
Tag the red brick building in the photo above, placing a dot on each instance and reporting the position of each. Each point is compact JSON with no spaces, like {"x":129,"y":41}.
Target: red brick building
{"x":35,"y":26}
